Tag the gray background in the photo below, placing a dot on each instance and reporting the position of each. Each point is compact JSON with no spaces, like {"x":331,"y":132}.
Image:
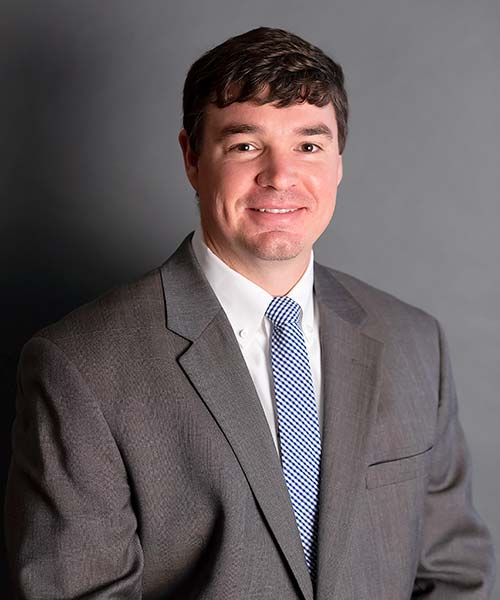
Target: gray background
{"x":93,"y":191}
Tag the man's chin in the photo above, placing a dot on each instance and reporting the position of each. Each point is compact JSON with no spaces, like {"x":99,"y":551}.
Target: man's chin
{"x":276,"y":247}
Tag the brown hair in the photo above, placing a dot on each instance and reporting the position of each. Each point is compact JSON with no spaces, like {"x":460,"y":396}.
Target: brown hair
{"x":263,"y":65}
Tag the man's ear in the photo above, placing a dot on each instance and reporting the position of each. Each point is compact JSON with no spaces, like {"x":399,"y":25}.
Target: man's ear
{"x":340,"y":170}
{"x":190,"y":159}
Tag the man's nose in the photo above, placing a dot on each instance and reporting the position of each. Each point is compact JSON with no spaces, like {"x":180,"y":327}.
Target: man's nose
{"x":277,"y":171}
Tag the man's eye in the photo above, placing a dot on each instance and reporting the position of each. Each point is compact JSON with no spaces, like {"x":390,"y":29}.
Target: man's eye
{"x":243,"y":147}
{"x":309,"y":147}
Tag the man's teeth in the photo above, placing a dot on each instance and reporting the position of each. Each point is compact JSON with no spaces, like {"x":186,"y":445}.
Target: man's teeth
{"x":276,"y":211}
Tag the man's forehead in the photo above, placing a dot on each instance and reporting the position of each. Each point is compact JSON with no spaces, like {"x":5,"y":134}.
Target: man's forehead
{"x":258,"y":117}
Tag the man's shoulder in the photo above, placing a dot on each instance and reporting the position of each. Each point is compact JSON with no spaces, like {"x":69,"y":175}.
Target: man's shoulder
{"x":122,"y":310}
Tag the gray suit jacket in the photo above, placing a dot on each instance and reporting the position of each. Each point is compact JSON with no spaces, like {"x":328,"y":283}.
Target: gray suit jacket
{"x":143,"y":465}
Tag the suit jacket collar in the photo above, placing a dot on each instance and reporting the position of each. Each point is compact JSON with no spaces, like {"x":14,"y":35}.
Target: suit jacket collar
{"x":187,"y":289}
{"x":351,"y":368}
{"x":190,"y":302}
{"x":335,"y":298}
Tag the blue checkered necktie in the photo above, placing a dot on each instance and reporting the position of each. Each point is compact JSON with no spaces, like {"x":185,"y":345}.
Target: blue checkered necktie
{"x":298,"y":423}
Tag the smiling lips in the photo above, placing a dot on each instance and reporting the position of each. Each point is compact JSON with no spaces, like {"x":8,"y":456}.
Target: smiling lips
{"x":276,"y":211}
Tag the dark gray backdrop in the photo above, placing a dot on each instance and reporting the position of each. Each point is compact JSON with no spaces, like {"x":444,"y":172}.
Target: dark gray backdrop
{"x":93,"y":191}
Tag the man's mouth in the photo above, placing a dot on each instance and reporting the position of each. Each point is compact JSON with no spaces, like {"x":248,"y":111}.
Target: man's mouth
{"x":276,"y":211}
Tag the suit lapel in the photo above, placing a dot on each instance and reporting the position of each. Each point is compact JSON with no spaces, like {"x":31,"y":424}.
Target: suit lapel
{"x":351,"y":363}
{"x":216,"y":368}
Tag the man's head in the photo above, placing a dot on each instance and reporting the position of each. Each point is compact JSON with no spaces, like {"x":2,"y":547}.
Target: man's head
{"x":263,"y":65}
{"x":265,"y":123}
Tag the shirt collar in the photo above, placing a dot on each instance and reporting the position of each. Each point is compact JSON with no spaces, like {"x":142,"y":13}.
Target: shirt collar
{"x":243,"y":301}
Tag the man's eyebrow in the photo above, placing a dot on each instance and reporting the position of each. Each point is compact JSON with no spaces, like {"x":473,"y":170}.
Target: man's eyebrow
{"x":236,"y":128}
{"x":319,"y":129}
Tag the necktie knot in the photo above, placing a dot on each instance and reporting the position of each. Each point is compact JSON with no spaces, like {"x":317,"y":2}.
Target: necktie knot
{"x":282,"y":311}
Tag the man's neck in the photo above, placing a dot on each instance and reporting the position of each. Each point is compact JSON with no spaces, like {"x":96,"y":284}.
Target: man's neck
{"x":276,"y":277}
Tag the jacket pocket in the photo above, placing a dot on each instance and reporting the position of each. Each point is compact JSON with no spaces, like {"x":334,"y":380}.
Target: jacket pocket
{"x":398,"y":470}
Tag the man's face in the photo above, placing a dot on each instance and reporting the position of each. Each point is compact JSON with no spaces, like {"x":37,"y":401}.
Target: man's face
{"x":267,"y":180}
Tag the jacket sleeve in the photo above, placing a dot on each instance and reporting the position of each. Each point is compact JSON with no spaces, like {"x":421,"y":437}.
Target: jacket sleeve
{"x":457,"y":561}
{"x":70,"y":527}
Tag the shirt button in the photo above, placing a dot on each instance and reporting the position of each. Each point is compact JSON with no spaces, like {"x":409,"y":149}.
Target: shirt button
{"x":243,"y":333}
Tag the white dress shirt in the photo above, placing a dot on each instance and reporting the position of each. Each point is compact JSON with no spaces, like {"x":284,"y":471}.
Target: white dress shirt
{"x":245,"y":304}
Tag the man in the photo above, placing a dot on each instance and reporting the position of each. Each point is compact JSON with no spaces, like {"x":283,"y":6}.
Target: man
{"x":242,"y":422}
